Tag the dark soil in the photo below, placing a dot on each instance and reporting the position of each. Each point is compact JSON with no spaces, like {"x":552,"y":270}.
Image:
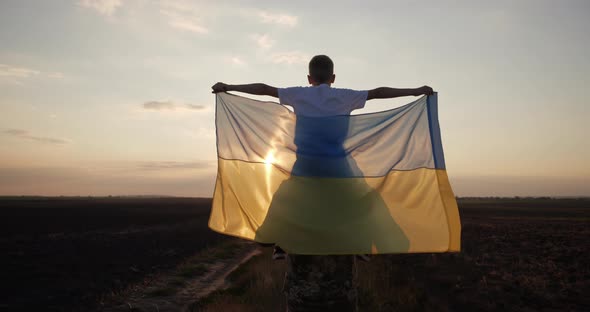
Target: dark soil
{"x":66,"y":254}
{"x":517,"y":255}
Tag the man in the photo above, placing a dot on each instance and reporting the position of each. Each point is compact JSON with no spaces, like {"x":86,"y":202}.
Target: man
{"x":320,"y":283}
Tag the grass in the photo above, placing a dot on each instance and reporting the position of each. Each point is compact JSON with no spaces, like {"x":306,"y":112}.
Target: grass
{"x":170,"y":283}
{"x":521,"y":263}
{"x":255,"y":286}
{"x":177,"y":282}
{"x":193,"y":270}
{"x":162,"y":291}
{"x":195,"y":266}
{"x":518,"y":254}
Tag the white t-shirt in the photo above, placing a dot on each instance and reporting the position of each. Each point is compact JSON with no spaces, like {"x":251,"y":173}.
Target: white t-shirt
{"x":322,"y":100}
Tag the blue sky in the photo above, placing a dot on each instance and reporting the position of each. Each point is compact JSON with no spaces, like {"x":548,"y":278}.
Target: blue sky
{"x":113,"y":97}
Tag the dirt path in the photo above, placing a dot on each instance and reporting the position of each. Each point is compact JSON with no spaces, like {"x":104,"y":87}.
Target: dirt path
{"x":197,"y":278}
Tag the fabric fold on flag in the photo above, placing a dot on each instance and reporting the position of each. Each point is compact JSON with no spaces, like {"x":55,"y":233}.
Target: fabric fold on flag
{"x":370,"y":183}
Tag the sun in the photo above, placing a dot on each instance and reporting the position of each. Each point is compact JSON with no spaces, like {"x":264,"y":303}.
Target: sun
{"x":270,"y":158}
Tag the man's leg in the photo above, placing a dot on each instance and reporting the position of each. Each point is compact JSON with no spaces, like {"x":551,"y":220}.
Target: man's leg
{"x":320,"y":283}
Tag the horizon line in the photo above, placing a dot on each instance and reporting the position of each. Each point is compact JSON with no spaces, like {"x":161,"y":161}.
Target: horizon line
{"x":201,"y":197}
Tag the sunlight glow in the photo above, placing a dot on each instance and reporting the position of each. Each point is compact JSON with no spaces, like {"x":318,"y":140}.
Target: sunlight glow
{"x":270,"y":158}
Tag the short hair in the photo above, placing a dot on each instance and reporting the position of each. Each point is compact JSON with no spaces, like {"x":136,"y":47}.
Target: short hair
{"x":321,"y":68}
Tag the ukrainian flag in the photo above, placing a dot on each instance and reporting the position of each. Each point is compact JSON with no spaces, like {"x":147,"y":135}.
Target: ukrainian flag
{"x":360,"y":184}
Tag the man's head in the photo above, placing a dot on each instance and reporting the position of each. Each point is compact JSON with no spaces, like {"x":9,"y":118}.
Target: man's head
{"x":321,"y":70}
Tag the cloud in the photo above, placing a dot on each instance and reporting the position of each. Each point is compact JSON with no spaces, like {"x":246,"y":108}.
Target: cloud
{"x":183,"y":16}
{"x":194,"y":106}
{"x":101,"y":181}
{"x":280,"y":19}
{"x":237,"y":61}
{"x":15,"y":132}
{"x":263,"y":41}
{"x":291,"y":57}
{"x":157,"y":105}
{"x":169,"y":105}
{"x":16,"y":74}
{"x":24,"y":134}
{"x":104,"y":7}
{"x":182,"y":23}
{"x":167,"y":165}
{"x":56,"y":75}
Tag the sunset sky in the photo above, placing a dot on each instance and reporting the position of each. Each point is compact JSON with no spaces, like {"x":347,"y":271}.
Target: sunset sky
{"x":112,"y":97}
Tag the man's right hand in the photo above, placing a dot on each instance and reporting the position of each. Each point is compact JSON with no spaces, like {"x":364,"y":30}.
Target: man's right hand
{"x":219,"y":87}
{"x":426,"y":90}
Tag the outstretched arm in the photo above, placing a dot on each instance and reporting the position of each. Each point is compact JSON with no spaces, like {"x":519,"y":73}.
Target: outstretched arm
{"x":387,"y":93}
{"x":252,"y":88}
